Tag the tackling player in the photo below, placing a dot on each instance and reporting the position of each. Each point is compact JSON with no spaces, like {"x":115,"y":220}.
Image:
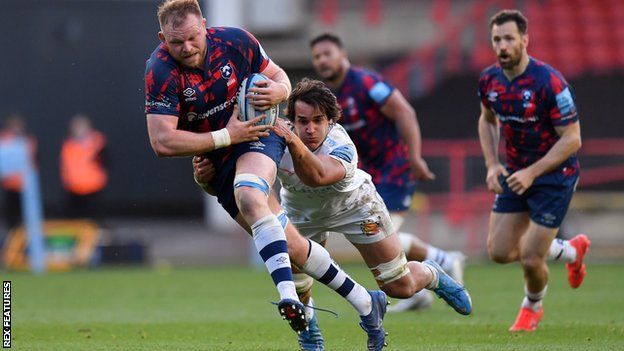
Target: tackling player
{"x":191,"y":83}
{"x":324,"y":191}
{"x":385,"y":130}
{"x":534,"y":107}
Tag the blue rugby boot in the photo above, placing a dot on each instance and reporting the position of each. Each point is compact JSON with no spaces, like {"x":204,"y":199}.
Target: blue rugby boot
{"x":294,"y":312}
{"x":311,"y":339}
{"x":373,"y":322}
{"x":451,"y":291}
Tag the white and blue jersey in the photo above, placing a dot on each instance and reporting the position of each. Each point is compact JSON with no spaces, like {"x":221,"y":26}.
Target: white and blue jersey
{"x":350,"y":206}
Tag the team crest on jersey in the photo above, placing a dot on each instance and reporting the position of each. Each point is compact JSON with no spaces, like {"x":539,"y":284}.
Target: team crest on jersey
{"x":189,"y":94}
{"x":370,"y":227}
{"x":492,"y":95}
{"x":226,"y":71}
{"x":527,"y":96}
{"x":351,"y":107}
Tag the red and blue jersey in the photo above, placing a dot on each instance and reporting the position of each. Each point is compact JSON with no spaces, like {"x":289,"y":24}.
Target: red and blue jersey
{"x":529,"y":107}
{"x":203,"y":99}
{"x":382,"y":152}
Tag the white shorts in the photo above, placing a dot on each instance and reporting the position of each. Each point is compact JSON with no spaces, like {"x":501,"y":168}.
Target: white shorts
{"x":365,"y":219}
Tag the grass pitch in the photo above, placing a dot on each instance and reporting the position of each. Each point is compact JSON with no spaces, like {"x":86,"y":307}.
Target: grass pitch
{"x":227,"y":309}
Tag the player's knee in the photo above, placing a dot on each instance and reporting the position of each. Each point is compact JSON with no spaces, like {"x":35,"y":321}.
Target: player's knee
{"x":251,"y":192}
{"x":394,"y":275}
{"x":498,"y":254}
{"x":248,"y":203}
{"x":532,"y":262}
{"x":500,"y":257}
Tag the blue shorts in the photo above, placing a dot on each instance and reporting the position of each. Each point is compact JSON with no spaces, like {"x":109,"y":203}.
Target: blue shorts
{"x":397,"y":198}
{"x":547,"y":200}
{"x":223,"y":183}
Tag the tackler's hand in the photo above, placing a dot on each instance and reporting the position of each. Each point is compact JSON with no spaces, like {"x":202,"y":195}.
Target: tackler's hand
{"x":283,"y":128}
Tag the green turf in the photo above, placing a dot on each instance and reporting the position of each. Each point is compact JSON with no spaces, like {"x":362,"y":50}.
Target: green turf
{"x":228,"y":309}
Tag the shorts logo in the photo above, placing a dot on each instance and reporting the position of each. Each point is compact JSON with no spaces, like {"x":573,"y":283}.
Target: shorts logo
{"x":190,"y":94}
{"x":370,"y":227}
{"x":549,"y":218}
{"x":226,"y":71}
{"x":257,"y":145}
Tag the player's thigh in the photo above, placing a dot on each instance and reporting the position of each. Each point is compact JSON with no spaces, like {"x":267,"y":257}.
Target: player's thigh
{"x":367,"y":220}
{"x":550,"y":197}
{"x":379,"y":252}
{"x":258,"y":164}
{"x":260,"y":157}
{"x":505,"y":232}
{"x":509,"y":220}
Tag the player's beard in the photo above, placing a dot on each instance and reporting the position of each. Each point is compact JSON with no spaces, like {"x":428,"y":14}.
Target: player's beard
{"x":513,"y":59}
{"x":329,"y":74}
{"x":194,"y":62}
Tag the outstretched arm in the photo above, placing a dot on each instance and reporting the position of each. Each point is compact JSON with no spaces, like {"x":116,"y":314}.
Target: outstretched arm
{"x":313,"y":170}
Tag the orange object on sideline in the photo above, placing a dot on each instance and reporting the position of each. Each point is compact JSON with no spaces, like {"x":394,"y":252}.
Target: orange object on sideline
{"x":82,"y":172}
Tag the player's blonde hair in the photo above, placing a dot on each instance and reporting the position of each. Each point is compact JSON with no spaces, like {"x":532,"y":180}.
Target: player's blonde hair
{"x":314,"y":93}
{"x":175,"y":11}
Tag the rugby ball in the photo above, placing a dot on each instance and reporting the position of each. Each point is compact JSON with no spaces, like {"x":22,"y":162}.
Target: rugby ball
{"x":246,"y":111}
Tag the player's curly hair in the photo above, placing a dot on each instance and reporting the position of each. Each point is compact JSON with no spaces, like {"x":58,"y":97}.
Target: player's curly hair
{"x":314,"y":93}
{"x":505,"y":16}
{"x":175,"y":11}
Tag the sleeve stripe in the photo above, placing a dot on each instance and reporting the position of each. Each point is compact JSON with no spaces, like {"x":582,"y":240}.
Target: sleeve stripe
{"x":380,"y":92}
{"x":345,"y":153}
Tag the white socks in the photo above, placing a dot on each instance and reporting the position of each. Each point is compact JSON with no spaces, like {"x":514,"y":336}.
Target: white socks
{"x":321,"y":267}
{"x":435,"y":278}
{"x":561,"y":250}
{"x":440,"y":256}
{"x":270,"y":241}
{"x":533,"y":300}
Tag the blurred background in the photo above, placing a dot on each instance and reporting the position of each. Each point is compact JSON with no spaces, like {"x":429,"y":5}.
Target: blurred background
{"x":63,"y":58}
